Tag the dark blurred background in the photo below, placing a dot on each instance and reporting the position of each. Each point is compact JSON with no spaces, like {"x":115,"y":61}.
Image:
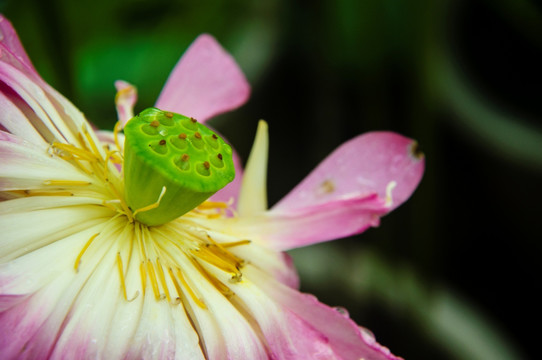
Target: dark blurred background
{"x":452,"y":274}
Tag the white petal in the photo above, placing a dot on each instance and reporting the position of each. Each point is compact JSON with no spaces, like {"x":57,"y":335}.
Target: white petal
{"x":27,"y":231}
{"x":44,"y":202}
{"x":26,"y":166}
{"x":48,"y":275}
{"x":14,"y":120}
{"x":224,"y":330}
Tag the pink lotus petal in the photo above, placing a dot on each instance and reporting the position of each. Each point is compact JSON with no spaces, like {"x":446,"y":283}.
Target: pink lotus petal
{"x":360,"y":181}
{"x":287,"y":336}
{"x":364,"y":165}
{"x":205,"y":82}
{"x":9,"y":301}
{"x":41,"y":102}
{"x":9,"y":41}
{"x":287,"y":230}
{"x":125,"y":100}
{"x":346,"y":339}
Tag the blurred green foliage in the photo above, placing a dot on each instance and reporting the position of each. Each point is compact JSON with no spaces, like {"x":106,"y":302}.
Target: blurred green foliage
{"x":449,"y":275}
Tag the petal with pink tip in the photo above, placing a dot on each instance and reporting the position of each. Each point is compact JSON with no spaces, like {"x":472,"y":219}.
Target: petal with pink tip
{"x":328,"y":326}
{"x":360,"y":181}
{"x":9,"y":41}
{"x":205,"y":82}
{"x":367,"y":164}
{"x":47,"y":288}
{"x":280,"y":327}
{"x":287,"y":230}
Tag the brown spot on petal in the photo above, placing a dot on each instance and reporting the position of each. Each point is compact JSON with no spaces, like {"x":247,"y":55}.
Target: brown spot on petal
{"x":415,"y":151}
{"x":326,"y":187}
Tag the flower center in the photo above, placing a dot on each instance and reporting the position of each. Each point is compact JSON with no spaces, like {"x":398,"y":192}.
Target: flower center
{"x":172,"y":164}
{"x":173,"y":260}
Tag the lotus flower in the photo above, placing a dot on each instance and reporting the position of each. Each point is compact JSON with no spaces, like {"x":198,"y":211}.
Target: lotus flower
{"x":81,"y":276}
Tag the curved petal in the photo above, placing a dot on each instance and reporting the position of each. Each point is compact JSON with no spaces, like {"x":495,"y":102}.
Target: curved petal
{"x":360,"y":181}
{"x":205,"y":82}
{"x":224,"y":331}
{"x":280,"y":328}
{"x":52,"y":115}
{"x":10,"y":41}
{"x":49,"y":287}
{"x":26,"y":166}
{"x":326,"y":326}
{"x":287,"y":230}
{"x":15,"y":121}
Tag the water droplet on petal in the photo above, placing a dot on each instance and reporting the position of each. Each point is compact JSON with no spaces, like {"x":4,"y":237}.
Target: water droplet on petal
{"x":368,"y":335}
{"x":341,"y":310}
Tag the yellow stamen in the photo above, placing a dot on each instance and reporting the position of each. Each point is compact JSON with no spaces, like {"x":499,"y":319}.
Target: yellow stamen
{"x":126,"y":210}
{"x":143,"y":276}
{"x":213,"y":205}
{"x":151,"y":206}
{"x":162,"y":279}
{"x":219,"y":250}
{"x":192,"y":294}
{"x":78,"y":259}
{"x":91,"y":142}
{"x":41,"y":193}
{"x":121,"y":275}
{"x":177,"y":286}
{"x":83,"y":154}
{"x":109,"y":204}
{"x":154,"y":283}
{"x":235,"y":243}
{"x":205,"y":254}
{"x":212,"y":279}
{"x":66,"y":183}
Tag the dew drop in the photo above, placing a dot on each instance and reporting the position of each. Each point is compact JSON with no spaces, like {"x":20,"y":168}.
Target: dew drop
{"x":341,"y":310}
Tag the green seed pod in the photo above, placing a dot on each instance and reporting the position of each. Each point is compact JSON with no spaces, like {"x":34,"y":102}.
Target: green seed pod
{"x":167,"y":150}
